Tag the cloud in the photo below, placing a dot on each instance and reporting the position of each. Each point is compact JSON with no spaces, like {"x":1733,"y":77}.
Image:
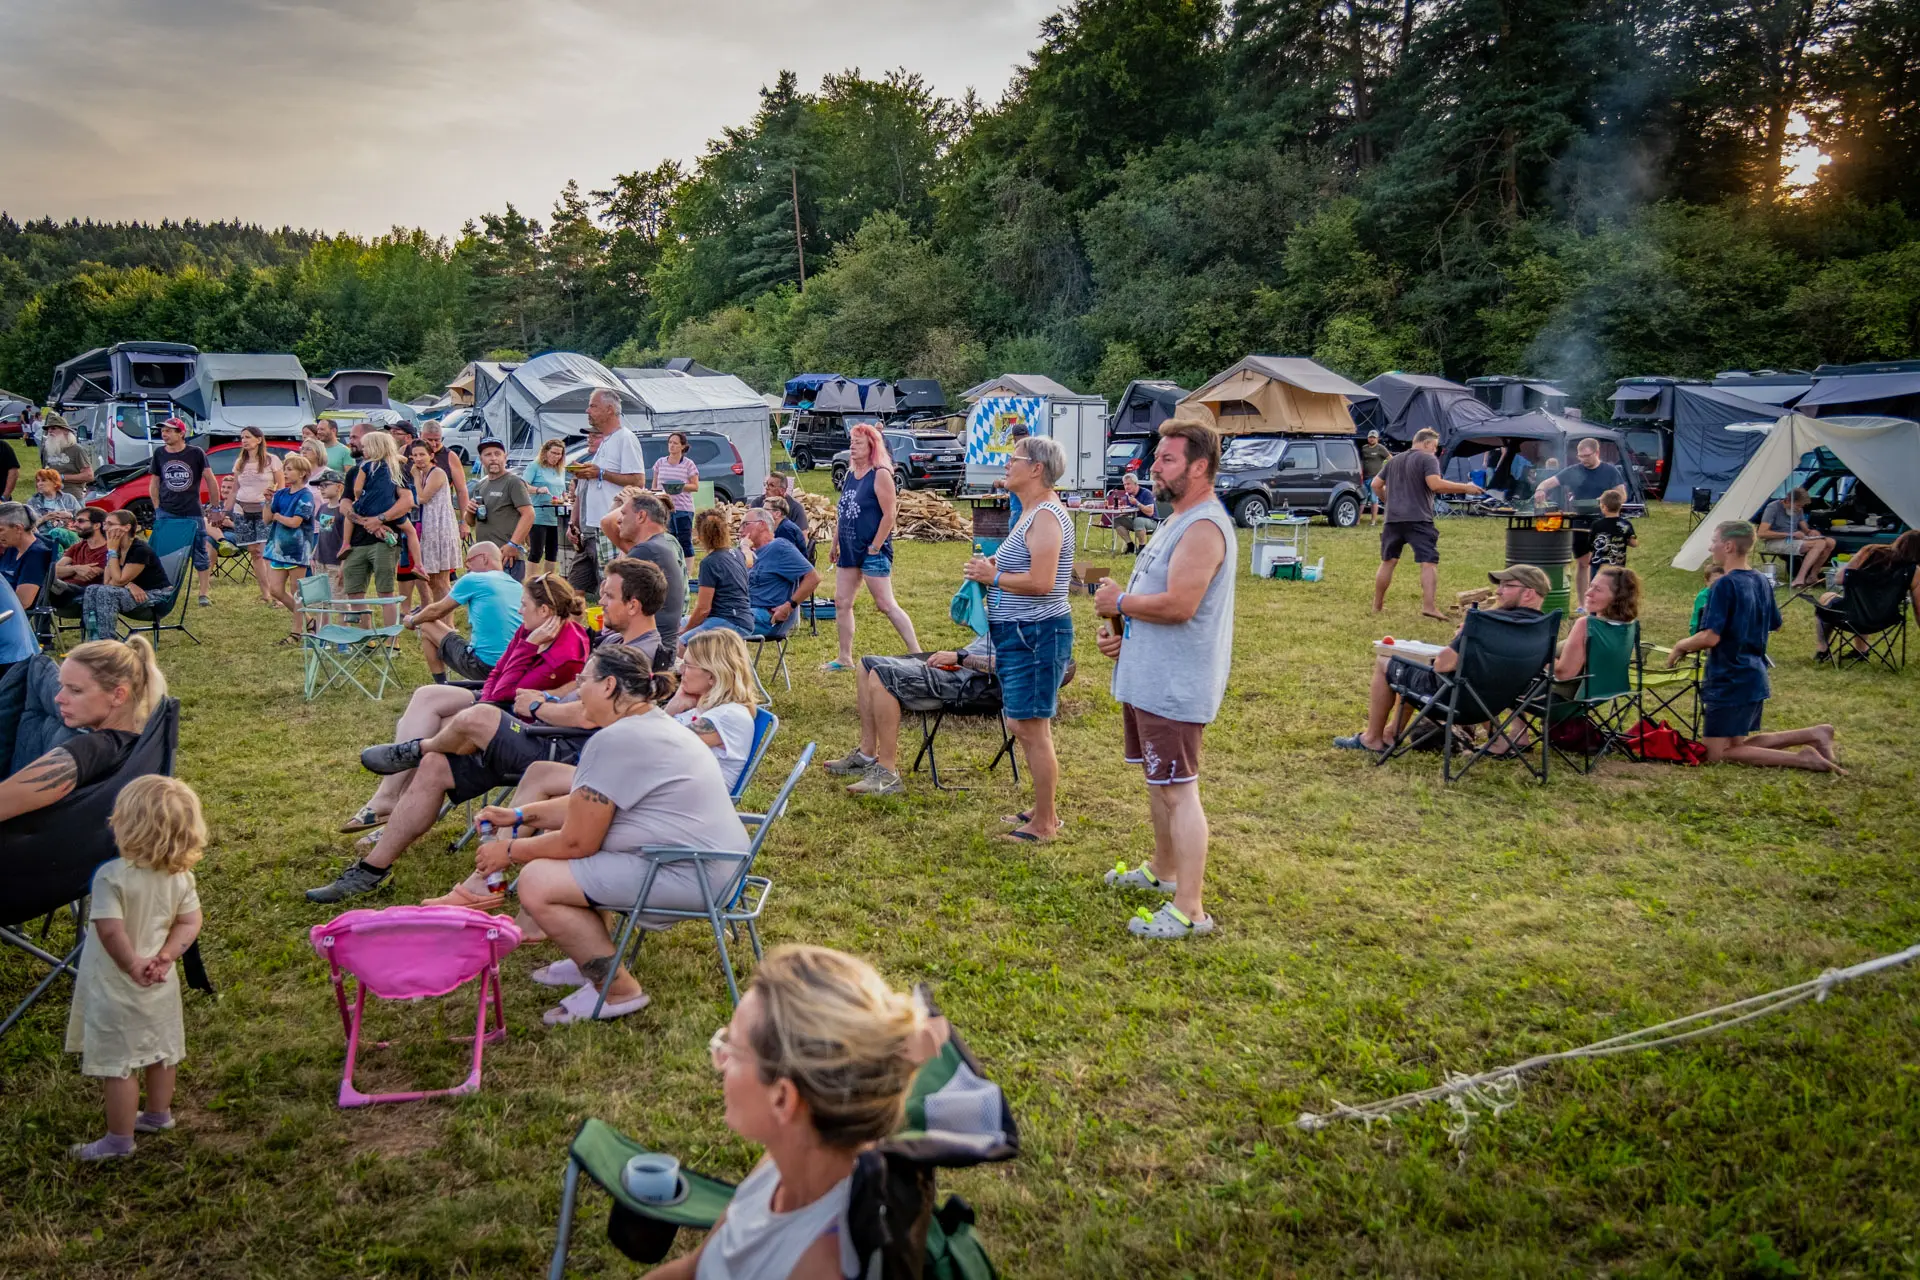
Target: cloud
{"x":359,"y":115}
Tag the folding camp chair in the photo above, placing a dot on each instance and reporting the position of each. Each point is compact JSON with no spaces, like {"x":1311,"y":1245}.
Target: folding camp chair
{"x":933,"y":714}
{"x":738,"y":900}
{"x":337,"y":653}
{"x":781,"y":633}
{"x":415,"y":953}
{"x":1504,"y":682}
{"x":48,"y":617}
{"x":1595,"y":716}
{"x":151,"y":618}
{"x":1663,"y":691}
{"x":1702,"y":508}
{"x":231,"y":563}
{"x":1873,"y":608}
{"x":955,"y":1118}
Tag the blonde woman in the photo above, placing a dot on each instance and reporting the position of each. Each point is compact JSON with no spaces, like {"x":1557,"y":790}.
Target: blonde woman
{"x":546,"y":479}
{"x":814,"y":1066}
{"x":717,"y":698}
{"x":380,"y":501}
{"x":291,"y":529}
{"x":255,"y":475}
{"x":107,"y":690}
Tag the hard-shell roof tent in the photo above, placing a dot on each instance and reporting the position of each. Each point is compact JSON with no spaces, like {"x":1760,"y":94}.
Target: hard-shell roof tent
{"x":1510,"y":396}
{"x":1555,"y":435}
{"x":1266,"y":395}
{"x":318,"y":396}
{"x":856,"y":395}
{"x":801,"y":388}
{"x":717,"y":402}
{"x":1144,"y":405}
{"x":267,"y":392}
{"x":691,"y":367}
{"x":1765,"y":386}
{"x":1647,"y":400}
{"x":359,"y":388}
{"x":1885,"y":449}
{"x":126,"y":370}
{"x":547,"y":397}
{"x":921,"y":396}
{"x":1406,"y":403}
{"x":1706,"y":453}
{"x":1889,"y":389}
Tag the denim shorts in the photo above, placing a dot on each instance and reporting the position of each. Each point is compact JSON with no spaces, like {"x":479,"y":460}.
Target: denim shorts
{"x":248,"y":530}
{"x":715,"y":624}
{"x":1031,"y":660}
{"x":880,"y":566}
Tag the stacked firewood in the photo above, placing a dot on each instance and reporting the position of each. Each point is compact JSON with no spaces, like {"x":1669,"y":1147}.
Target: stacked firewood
{"x":920,"y":517}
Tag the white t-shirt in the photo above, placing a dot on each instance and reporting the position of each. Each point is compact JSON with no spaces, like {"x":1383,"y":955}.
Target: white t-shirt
{"x":621,"y":452}
{"x":733,"y":721}
{"x":665,"y":785}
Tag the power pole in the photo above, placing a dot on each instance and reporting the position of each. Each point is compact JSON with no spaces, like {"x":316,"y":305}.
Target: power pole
{"x":793,"y":172}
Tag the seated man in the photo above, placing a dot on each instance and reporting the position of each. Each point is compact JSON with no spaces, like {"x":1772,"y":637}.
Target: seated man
{"x":85,"y":561}
{"x":1137,"y":523}
{"x":25,"y":557}
{"x":778,"y":486}
{"x":1519,"y":591}
{"x":491,"y":598}
{"x":1784,"y":531}
{"x":481,"y":747}
{"x":953,"y":679}
{"x":780,"y":578}
{"x":1734,"y":627}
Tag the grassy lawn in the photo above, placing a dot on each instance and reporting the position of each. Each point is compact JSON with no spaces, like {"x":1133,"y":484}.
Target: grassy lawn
{"x":1377,"y":932}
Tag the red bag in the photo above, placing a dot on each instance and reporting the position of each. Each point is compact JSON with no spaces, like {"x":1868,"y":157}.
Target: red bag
{"x":1650,"y":741}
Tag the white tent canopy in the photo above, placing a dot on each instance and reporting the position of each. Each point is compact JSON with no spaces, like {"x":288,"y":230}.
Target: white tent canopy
{"x":546,"y":397}
{"x":1885,"y":449}
{"x":720,"y":402}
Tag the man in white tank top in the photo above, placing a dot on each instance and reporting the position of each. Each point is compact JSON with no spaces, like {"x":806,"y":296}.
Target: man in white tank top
{"x":1172,"y":645}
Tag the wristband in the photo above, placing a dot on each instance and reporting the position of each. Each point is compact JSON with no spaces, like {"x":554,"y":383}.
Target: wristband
{"x":519,"y":817}
{"x":1120,"y":604}
{"x":996,"y":578}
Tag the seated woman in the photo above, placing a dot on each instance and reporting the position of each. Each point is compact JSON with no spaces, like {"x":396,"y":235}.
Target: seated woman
{"x":50,"y":503}
{"x":1614,"y":594}
{"x":718,"y":698}
{"x":815,"y":1065}
{"x":642,"y":782}
{"x":1878,"y":557}
{"x":132,"y":577}
{"x":547,"y":651}
{"x":107,"y":691}
{"x":724,"y":600}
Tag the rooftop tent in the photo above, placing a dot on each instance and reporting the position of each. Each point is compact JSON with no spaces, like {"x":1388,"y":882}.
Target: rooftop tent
{"x":1887,"y":449}
{"x":803,"y":387}
{"x":1765,"y":386}
{"x":630,"y":374}
{"x":1706,"y":455}
{"x":232,"y":391}
{"x":488,"y":376}
{"x":718,"y":402}
{"x":1647,"y":399}
{"x":1510,"y":396}
{"x":921,"y":395}
{"x":1269,"y":394}
{"x":155,"y":370}
{"x":1409,"y":402}
{"x":318,"y":396}
{"x":1144,"y":405}
{"x":691,"y":367}
{"x":1891,"y":389}
{"x":359,"y":388}
{"x":547,"y":397}
{"x":855,"y":395}
{"x":460,"y":390}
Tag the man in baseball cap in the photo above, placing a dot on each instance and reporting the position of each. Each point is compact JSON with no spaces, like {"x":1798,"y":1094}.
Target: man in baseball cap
{"x":1530,"y":577}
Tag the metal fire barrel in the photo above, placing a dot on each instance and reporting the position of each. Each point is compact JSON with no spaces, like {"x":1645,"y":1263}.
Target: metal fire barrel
{"x":1546,"y":541}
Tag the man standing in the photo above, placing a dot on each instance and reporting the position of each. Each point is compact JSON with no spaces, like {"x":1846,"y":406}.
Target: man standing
{"x":1584,"y":481}
{"x":65,"y":454}
{"x":1408,"y":484}
{"x":639,"y":529}
{"x":502,"y":508}
{"x":780,"y":578}
{"x":173,"y":486}
{"x":615,"y":463}
{"x":448,"y":461}
{"x":339,"y":457}
{"x":1373,"y":456}
{"x":1171,"y":656}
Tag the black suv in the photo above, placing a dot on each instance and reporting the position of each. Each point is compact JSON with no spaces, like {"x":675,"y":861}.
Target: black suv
{"x":719,"y":462}
{"x":921,"y":460}
{"x":818,"y":436}
{"x":1260,"y":475}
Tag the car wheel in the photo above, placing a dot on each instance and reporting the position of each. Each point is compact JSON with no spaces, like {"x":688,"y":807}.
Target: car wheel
{"x":802,"y":460}
{"x":1345,"y":512}
{"x":1250,"y":510}
{"x":839,"y":477}
{"x":900,"y":479}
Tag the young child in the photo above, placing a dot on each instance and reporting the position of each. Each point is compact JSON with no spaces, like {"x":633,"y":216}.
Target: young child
{"x":1612,"y":532}
{"x":330,"y":528}
{"x":1708,"y":576}
{"x":126,"y":997}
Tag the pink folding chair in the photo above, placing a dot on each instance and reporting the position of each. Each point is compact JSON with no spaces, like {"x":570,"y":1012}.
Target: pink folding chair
{"x":415,"y":953}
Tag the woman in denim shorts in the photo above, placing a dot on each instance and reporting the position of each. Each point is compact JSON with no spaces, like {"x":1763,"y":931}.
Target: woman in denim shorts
{"x":1031,"y":622}
{"x":863,"y":543}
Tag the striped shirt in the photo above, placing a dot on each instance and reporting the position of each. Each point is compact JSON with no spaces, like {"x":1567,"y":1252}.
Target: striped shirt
{"x":1013,"y":557}
{"x":681,"y":472}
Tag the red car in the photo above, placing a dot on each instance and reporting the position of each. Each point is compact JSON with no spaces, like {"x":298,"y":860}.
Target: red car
{"x":125,"y":488}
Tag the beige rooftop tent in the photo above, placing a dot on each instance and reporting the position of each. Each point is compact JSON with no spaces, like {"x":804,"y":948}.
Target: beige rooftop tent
{"x":1271,"y":394}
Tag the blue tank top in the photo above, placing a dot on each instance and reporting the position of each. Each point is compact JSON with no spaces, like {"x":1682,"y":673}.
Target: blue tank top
{"x":860,"y":515}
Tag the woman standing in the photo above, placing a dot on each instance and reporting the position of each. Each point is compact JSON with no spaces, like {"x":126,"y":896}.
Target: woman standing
{"x":547,"y":482}
{"x":439,"y":531}
{"x":864,"y":541}
{"x":255,"y":475}
{"x":1030,"y":620}
{"x":290,"y":535}
{"x":678,"y":469}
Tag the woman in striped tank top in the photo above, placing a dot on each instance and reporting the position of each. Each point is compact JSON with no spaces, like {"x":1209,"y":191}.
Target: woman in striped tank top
{"x":1030,"y":621}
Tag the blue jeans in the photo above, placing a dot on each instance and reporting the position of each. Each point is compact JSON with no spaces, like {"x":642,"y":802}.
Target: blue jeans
{"x":680,"y":525}
{"x":1031,"y":660}
{"x":715,"y":624}
{"x":764,"y":625}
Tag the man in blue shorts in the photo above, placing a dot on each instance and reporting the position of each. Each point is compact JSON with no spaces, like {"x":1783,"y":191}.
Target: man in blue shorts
{"x":1739,"y":616}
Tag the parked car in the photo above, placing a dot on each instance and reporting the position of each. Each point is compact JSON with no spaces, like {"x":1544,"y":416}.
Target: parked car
{"x":921,"y":460}
{"x":124,"y":488}
{"x":1262,"y":475}
{"x":818,"y":436}
{"x":721,"y":466}
{"x":1130,"y":454}
{"x":1650,"y":448}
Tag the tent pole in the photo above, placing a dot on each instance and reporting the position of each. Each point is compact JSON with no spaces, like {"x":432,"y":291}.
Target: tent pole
{"x":793,"y":173}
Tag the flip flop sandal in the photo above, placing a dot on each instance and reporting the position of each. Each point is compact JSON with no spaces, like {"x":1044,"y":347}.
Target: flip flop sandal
{"x":835,"y":666}
{"x":461,"y":896}
{"x":365,"y":820}
{"x":578,"y":1007}
{"x":290,"y":639}
{"x":1016,"y":819}
{"x":1026,"y":837}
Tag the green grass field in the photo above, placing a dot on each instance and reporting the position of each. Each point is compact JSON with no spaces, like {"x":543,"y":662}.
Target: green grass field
{"x":1377,"y":932}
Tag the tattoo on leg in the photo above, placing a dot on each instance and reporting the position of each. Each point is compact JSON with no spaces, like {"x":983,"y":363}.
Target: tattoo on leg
{"x":596,"y":969}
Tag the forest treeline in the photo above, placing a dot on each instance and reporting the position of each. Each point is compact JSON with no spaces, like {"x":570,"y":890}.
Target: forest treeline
{"x":1581,"y":189}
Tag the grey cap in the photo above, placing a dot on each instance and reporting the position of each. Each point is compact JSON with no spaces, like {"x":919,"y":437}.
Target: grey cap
{"x":329,"y":476}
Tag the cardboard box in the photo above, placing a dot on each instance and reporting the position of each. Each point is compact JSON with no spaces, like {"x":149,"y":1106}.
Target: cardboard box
{"x":1087,"y":578}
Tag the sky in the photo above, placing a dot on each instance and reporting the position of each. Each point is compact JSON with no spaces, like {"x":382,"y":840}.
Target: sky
{"x":362,"y":115}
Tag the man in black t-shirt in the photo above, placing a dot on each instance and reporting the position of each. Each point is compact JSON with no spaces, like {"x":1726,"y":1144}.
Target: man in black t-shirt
{"x":1583,"y":482}
{"x":1407,"y":484}
{"x":173,"y":486}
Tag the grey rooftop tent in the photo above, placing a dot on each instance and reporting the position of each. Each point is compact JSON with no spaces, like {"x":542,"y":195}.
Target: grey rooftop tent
{"x":1706,"y":455}
{"x":1890,"y":389}
{"x":359,"y":388}
{"x":1511,"y":396}
{"x":1144,"y":405}
{"x":1406,"y":403}
{"x":1767,"y":386}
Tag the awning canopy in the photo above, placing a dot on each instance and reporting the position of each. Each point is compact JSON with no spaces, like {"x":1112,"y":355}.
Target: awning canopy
{"x":1860,"y":388}
{"x":1706,"y":455}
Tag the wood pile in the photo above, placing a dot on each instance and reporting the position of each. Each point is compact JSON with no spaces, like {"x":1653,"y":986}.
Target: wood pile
{"x":921,"y":517}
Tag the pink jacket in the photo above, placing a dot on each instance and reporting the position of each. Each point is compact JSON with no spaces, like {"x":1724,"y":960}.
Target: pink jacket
{"x":524,"y":667}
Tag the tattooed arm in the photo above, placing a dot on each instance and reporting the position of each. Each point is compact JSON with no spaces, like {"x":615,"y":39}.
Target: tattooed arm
{"x":45,"y":782}
{"x":589,"y":814}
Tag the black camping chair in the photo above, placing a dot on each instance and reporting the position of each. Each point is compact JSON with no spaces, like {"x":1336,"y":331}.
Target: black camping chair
{"x":52,"y":853}
{"x":1873,"y":608}
{"x":1504,"y":683}
{"x":933,"y":713}
{"x":1701,"y":508}
{"x":151,"y":619}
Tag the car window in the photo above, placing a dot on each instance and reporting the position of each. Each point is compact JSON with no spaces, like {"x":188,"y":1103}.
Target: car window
{"x":1303,"y":457}
{"x":1342,"y":456}
{"x":1123,"y":451}
{"x":1251,"y":451}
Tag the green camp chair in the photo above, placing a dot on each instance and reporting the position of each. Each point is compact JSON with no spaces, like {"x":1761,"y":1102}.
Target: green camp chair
{"x":955,"y":1118}
{"x":337,"y":653}
{"x":1663,"y":692}
{"x":1593,"y":716}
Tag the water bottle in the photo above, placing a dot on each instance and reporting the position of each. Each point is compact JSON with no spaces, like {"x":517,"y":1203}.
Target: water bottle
{"x":496,"y":880}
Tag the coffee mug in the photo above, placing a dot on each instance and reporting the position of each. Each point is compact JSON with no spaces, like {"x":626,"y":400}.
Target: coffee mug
{"x":652,"y":1177}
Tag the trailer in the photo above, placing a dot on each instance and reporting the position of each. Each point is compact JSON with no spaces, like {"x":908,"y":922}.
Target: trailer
{"x":1044,"y":408}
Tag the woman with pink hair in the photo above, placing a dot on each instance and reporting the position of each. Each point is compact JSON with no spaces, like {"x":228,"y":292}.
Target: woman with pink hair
{"x":864,"y":542}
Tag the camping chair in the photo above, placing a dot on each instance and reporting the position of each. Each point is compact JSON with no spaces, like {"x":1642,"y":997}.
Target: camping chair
{"x":781,"y":633}
{"x":52,"y":853}
{"x":171,"y":533}
{"x":49,"y":617}
{"x":337,"y":653}
{"x":1663,"y":691}
{"x":1504,"y":681}
{"x":231,"y":563}
{"x":738,"y":901}
{"x":1702,"y":508}
{"x":1595,"y":717}
{"x":934,"y":713}
{"x":178,"y":567}
{"x":414,"y":953}
{"x":955,"y":1118}
{"x":1872,"y":608}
